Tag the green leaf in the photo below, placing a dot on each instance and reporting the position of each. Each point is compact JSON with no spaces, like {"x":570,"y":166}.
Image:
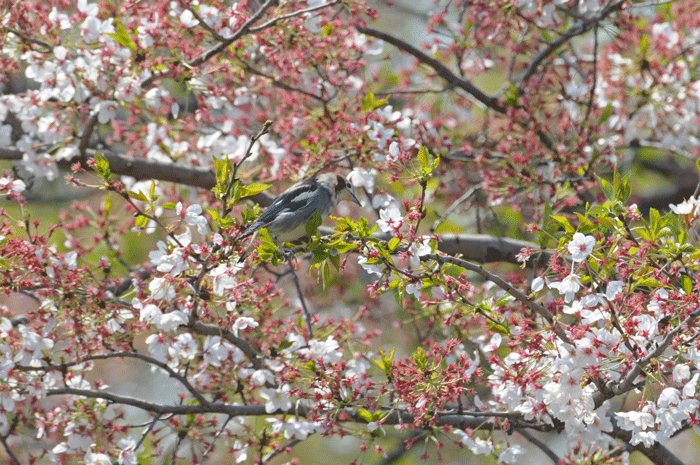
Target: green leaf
{"x":504,"y":299}
{"x":420,"y":359}
{"x":122,"y":36}
{"x":335,"y":260}
{"x":644,"y":44}
{"x":512,"y":96}
{"x":607,"y":111}
{"x":319,"y":255}
{"x":607,"y":189}
{"x":687,"y":284}
{"x":393,"y":243}
{"x":138,"y":196}
{"x":102,"y":167}
{"x":108,"y":205}
{"x":423,"y":157}
{"x":370,"y":104}
{"x":254,"y":188}
{"x":313,"y":224}
{"x":365,"y":415}
{"x":563,"y":221}
{"x":141,"y":221}
{"x":169,"y":205}
{"x":326,"y":274}
{"x":386,"y":362}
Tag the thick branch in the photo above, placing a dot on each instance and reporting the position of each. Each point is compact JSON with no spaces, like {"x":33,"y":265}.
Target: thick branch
{"x":393,"y":417}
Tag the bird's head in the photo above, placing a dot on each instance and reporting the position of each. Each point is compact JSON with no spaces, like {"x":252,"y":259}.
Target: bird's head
{"x":343,"y":189}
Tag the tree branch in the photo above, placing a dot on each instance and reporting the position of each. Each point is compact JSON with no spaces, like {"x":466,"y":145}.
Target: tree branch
{"x":442,"y":70}
{"x":146,"y":358}
{"x":535,"y":307}
{"x":578,"y":28}
{"x":613,"y":388}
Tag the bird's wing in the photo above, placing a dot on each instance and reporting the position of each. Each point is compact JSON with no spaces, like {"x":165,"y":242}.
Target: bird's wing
{"x":289,"y":206}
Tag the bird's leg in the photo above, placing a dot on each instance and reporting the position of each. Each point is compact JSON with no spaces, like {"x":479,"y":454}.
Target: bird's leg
{"x":287,"y":252}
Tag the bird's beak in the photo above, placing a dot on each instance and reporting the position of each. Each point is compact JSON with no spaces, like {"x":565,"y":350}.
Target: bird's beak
{"x":353,"y":198}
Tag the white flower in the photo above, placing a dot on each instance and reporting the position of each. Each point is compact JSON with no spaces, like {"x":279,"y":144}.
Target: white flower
{"x":393,"y":152}
{"x":216,"y":350}
{"x":185,"y":346}
{"x":390,"y":218}
{"x":573,"y":309}
{"x":614,"y":288}
{"x":681,"y":372}
{"x":277,"y":399}
{"x":537,"y":284}
{"x":327,"y":350}
{"x":150,"y":313}
{"x":568,"y":287}
{"x":493,"y":344}
{"x":511,"y":455}
{"x":171,"y":321}
{"x":261,"y":377}
{"x":581,"y":246}
{"x":380,"y":134}
{"x":91,"y":29}
{"x":168,"y":262}
{"x":419,"y":249}
{"x":243,"y":323}
{"x":372,"y":269}
{"x":127,"y":89}
{"x":97,"y":459}
{"x":106,"y":111}
{"x":14,"y":185}
{"x":414,"y":289}
{"x":162,"y":288}
{"x":193,"y":217}
{"x":477,"y":445}
{"x":88,"y":9}
{"x":686,"y":207}
{"x":360,"y":177}
{"x":128,"y":454}
{"x":153,"y":97}
{"x":187,"y":19}
{"x":157,"y":346}
{"x":5,"y":135}
{"x":387,"y":112}
{"x":223,"y":277}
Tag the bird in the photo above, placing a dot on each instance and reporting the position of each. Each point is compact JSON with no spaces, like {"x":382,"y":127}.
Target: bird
{"x":287,"y":215}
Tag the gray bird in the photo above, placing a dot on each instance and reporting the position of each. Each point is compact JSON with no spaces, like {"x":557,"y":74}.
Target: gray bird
{"x":286,"y":218}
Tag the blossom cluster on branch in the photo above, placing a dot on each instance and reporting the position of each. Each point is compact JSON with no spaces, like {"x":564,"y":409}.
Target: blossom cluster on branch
{"x":136,"y":323}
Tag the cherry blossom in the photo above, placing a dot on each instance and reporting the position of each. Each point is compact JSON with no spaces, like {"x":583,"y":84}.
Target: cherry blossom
{"x":581,"y":247}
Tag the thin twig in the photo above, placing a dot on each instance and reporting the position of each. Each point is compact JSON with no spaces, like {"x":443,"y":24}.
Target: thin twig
{"x":3,"y":439}
{"x":534,"y":306}
{"x":454,"y":206}
{"x":293,"y":14}
{"x":146,"y":358}
{"x":148,"y":430}
{"x":274,"y":453}
{"x":307,"y":314}
{"x":218,"y":433}
{"x":442,"y":70}
{"x":541,"y":445}
{"x":578,"y":28}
